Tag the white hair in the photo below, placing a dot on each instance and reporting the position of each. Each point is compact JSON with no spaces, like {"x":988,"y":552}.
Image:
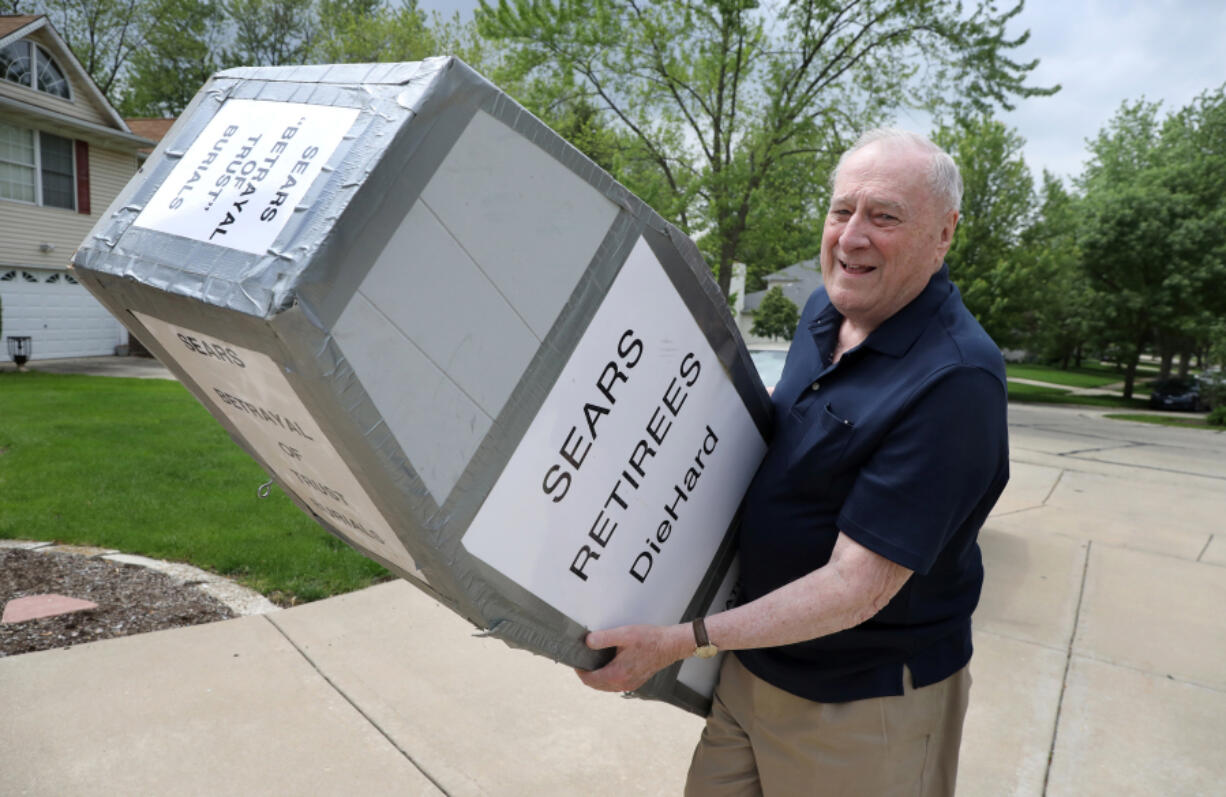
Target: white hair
{"x":943,"y":176}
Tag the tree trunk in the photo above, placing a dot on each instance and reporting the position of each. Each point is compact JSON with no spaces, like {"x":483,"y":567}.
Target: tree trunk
{"x":1185,"y":362}
{"x":1130,"y":376}
{"x":1168,"y":356}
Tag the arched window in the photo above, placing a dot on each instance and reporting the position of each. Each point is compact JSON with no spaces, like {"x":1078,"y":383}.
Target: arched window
{"x":29,"y":65}
{"x":17,"y":63}
{"x":50,"y":77}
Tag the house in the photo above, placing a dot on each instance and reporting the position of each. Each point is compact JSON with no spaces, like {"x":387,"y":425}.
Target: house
{"x":797,"y":282}
{"x":65,"y":154}
{"x":154,"y":129}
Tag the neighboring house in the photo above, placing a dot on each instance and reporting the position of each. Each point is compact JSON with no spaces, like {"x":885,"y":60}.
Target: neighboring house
{"x":65,"y":154}
{"x":154,"y":129}
{"x":797,"y":282}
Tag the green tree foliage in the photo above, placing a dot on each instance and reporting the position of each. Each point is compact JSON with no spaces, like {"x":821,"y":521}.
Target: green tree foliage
{"x":1194,"y":139}
{"x":786,"y":217}
{"x":184,"y":43}
{"x":776,"y":316}
{"x":103,"y":34}
{"x":368,"y":31}
{"x":721,"y":104}
{"x":1059,"y":319}
{"x":270,"y":32}
{"x":1153,"y":234}
{"x":998,"y":204}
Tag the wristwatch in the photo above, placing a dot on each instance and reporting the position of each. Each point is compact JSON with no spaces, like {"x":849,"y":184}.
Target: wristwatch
{"x":704,"y":649}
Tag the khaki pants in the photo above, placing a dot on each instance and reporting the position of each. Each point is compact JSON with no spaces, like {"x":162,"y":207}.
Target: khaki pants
{"x":761,"y":740}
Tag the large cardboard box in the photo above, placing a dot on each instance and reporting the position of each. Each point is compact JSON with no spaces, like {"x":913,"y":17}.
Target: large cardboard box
{"x":455,"y":342}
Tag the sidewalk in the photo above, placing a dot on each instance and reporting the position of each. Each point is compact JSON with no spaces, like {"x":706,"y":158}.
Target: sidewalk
{"x":1100,"y":643}
{"x":140,"y":367}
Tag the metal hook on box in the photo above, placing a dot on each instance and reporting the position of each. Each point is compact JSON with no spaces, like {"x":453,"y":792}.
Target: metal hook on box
{"x":264,"y":489}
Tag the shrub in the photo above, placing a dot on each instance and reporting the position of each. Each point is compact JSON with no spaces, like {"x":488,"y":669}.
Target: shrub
{"x":776,"y":316}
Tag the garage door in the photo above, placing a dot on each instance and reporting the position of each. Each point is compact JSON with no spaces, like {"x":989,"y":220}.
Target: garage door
{"x":60,"y":316}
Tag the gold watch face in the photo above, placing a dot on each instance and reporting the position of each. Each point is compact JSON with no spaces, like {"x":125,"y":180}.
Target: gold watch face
{"x":706,"y":651}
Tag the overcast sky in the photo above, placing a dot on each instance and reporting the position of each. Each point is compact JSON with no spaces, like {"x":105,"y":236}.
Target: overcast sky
{"x":1102,"y":52}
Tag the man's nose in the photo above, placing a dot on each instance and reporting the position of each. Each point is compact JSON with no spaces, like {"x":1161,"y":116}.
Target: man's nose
{"x":855,"y":233}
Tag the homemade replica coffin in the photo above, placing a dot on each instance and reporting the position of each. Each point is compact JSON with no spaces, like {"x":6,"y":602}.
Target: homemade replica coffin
{"x":456,"y":343}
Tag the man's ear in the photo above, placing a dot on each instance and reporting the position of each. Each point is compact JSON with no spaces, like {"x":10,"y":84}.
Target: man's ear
{"x":948,"y":226}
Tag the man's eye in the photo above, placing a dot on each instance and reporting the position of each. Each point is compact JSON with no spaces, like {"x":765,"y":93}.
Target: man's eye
{"x":887,"y":217}
{"x":840,"y":213}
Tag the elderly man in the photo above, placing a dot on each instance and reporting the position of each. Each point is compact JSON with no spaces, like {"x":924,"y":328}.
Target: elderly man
{"x":860,"y":566}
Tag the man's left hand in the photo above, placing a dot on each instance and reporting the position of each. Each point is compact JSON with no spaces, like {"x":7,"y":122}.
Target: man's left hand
{"x":642,"y":651}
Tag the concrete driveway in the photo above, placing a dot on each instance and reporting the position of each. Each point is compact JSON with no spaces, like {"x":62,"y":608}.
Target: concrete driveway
{"x":138,"y":367}
{"x":1100,"y":667}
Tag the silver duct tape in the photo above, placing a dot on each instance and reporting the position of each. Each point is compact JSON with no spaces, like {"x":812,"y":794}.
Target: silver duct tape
{"x":454,"y":341}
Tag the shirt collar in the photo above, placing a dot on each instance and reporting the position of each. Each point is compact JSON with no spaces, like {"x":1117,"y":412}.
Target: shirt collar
{"x":897,"y":333}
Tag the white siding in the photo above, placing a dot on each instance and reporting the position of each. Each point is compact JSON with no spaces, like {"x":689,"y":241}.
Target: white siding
{"x":24,"y":227}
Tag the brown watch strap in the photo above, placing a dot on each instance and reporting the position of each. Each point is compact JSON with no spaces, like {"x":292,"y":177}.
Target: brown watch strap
{"x":700,"y":633}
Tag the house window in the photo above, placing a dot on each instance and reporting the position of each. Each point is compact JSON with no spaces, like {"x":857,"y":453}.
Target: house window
{"x":27,"y":64}
{"x":37,"y":167}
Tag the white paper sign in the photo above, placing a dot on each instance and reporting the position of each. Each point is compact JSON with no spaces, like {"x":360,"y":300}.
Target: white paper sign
{"x":613,"y":504}
{"x":242,"y":177}
{"x":249,"y":389}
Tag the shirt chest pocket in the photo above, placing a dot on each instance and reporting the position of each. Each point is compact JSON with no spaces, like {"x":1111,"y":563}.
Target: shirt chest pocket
{"x":822,"y":440}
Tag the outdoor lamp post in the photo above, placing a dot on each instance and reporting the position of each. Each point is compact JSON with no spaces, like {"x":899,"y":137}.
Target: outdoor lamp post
{"x":19,"y":349}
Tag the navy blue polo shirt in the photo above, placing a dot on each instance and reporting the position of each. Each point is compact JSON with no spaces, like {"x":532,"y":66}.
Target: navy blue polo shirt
{"x":903,"y":446}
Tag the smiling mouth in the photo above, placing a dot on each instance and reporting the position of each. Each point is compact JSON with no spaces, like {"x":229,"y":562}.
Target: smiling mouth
{"x":854,"y":269}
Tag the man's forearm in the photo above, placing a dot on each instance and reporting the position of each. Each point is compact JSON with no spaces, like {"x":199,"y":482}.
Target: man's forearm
{"x":851,"y":588}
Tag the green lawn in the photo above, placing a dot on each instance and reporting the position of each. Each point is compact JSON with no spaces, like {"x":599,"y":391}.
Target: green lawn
{"x":1022,"y":392}
{"x":1087,"y":376}
{"x":139,"y":465}
{"x":1055,"y":395}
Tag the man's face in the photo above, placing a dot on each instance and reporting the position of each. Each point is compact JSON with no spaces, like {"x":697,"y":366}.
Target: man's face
{"x":886,"y":234}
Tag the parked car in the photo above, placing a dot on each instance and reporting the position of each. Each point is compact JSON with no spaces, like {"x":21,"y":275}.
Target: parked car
{"x":1212,"y":387}
{"x":769,"y":363}
{"x":1178,"y":394}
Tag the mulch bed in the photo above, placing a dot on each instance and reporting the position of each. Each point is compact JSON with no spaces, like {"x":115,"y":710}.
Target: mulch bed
{"x":131,"y":600}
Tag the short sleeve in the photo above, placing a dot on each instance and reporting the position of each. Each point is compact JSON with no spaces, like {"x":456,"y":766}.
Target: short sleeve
{"x":932,"y":469}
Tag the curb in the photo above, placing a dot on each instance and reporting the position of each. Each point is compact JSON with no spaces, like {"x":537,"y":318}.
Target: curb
{"x":239,"y":599}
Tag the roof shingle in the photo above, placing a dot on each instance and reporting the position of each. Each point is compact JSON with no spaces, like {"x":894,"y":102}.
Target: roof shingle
{"x":12,"y":22}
